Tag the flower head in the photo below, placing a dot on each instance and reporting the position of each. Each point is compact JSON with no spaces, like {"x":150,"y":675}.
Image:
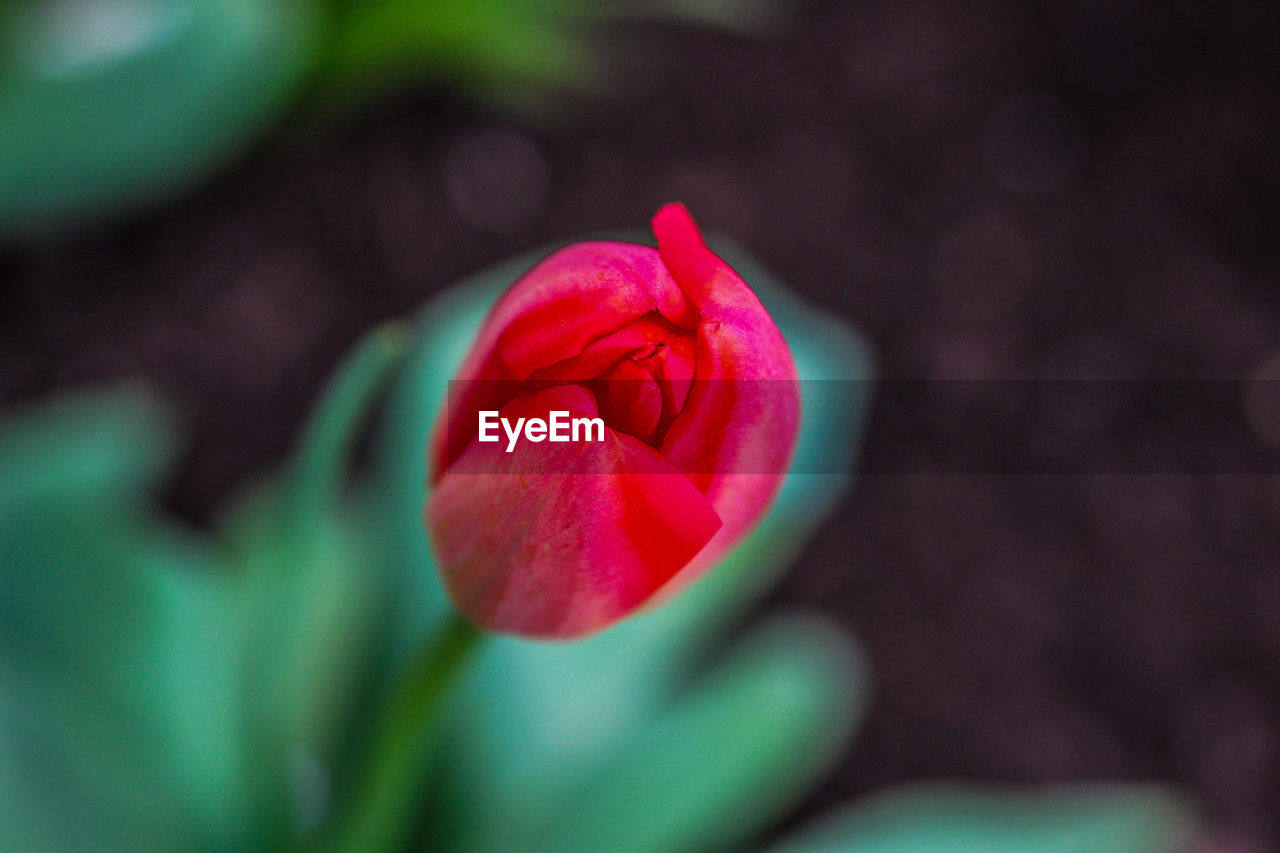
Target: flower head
{"x":686,"y":392}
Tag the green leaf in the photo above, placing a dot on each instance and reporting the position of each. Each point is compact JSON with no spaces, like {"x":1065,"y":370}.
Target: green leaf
{"x":49,"y":804}
{"x":518,"y":54}
{"x":306,"y":607}
{"x":944,"y":817}
{"x":119,"y":709}
{"x":393,"y":495}
{"x":503,"y":50}
{"x":110,"y":105}
{"x":721,"y":763}
{"x":307,"y":581}
{"x":98,"y":447}
{"x":405,"y":591}
{"x":321,"y":464}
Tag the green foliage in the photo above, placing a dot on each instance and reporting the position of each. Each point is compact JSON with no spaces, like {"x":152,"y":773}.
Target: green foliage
{"x":91,"y":448}
{"x":119,"y":717}
{"x":516,"y":53}
{"x":521,"y":55}
{"x":729,"y":753}
{"x":953,"y":818}
{"x":109,"y":104}
{"x":164,"y":690}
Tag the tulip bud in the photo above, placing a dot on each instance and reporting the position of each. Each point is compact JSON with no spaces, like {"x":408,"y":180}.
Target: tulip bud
{"x":545,"y":532}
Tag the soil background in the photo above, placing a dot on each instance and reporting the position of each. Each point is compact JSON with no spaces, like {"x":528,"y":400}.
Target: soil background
{"x":988,"y":189}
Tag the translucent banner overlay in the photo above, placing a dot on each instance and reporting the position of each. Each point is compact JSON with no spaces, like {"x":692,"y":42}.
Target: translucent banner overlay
{"x":1197,"y":426}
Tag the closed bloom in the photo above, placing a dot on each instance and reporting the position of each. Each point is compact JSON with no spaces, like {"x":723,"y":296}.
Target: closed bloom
{"x":551,"y":537}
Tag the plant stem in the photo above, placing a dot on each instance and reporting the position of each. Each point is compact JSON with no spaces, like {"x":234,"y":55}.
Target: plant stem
{"x":380,"y":811}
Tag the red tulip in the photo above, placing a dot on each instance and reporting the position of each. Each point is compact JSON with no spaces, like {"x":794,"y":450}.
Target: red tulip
{"x":696,"y":390}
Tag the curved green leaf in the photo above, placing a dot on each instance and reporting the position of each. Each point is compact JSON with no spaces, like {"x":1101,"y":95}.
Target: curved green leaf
{"x":104,"y":446}
{"x":109,"y":104}
{"x":307,"y":582}
{"x":954,"y":817}
{"x":120,"y":710}
{"x":728,"y":756}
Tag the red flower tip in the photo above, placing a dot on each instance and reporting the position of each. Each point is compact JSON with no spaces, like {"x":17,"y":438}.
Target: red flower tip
{"x":694,"y":266}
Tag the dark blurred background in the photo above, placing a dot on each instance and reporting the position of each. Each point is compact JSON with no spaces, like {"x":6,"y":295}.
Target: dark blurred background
{"x":989,"y":189}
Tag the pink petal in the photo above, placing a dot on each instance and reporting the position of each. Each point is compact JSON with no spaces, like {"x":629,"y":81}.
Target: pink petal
{"x":575,"y":296}
{"x":545,"y":553}
{"x":553,"y":313}
{"x":737,"y":430}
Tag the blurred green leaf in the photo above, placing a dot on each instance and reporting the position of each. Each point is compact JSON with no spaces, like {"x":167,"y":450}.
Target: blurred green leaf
{"x":109,"y":104}
{"x":321,"y":466}
{"x":517,"y":54}
{"x":719,"y":765}
{"x":393,"y":495}
{"x":946,"y":817}
{"x":306,"y":583}
{"x":510,"y":51}
{"x":120,"y":710}
{"x":407,"y":599}
{"x":103,"y":446}
{"x":305,"y":607}
{"x":119,"y":722}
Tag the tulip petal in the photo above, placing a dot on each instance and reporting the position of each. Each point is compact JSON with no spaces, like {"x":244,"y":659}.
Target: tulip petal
{"x":529,"y":548}
{"x":744,"y":376}
{"x":719,"y":294}
{"x":554,"y":313}
{"x":578,"y":294}
{"x":597,"y":356}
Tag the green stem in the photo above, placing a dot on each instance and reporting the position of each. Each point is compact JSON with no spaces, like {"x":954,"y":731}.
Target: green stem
{"x":381,"y":809}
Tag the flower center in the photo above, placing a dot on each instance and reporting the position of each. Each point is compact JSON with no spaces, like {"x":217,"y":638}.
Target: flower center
{"x":639,"y":375}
